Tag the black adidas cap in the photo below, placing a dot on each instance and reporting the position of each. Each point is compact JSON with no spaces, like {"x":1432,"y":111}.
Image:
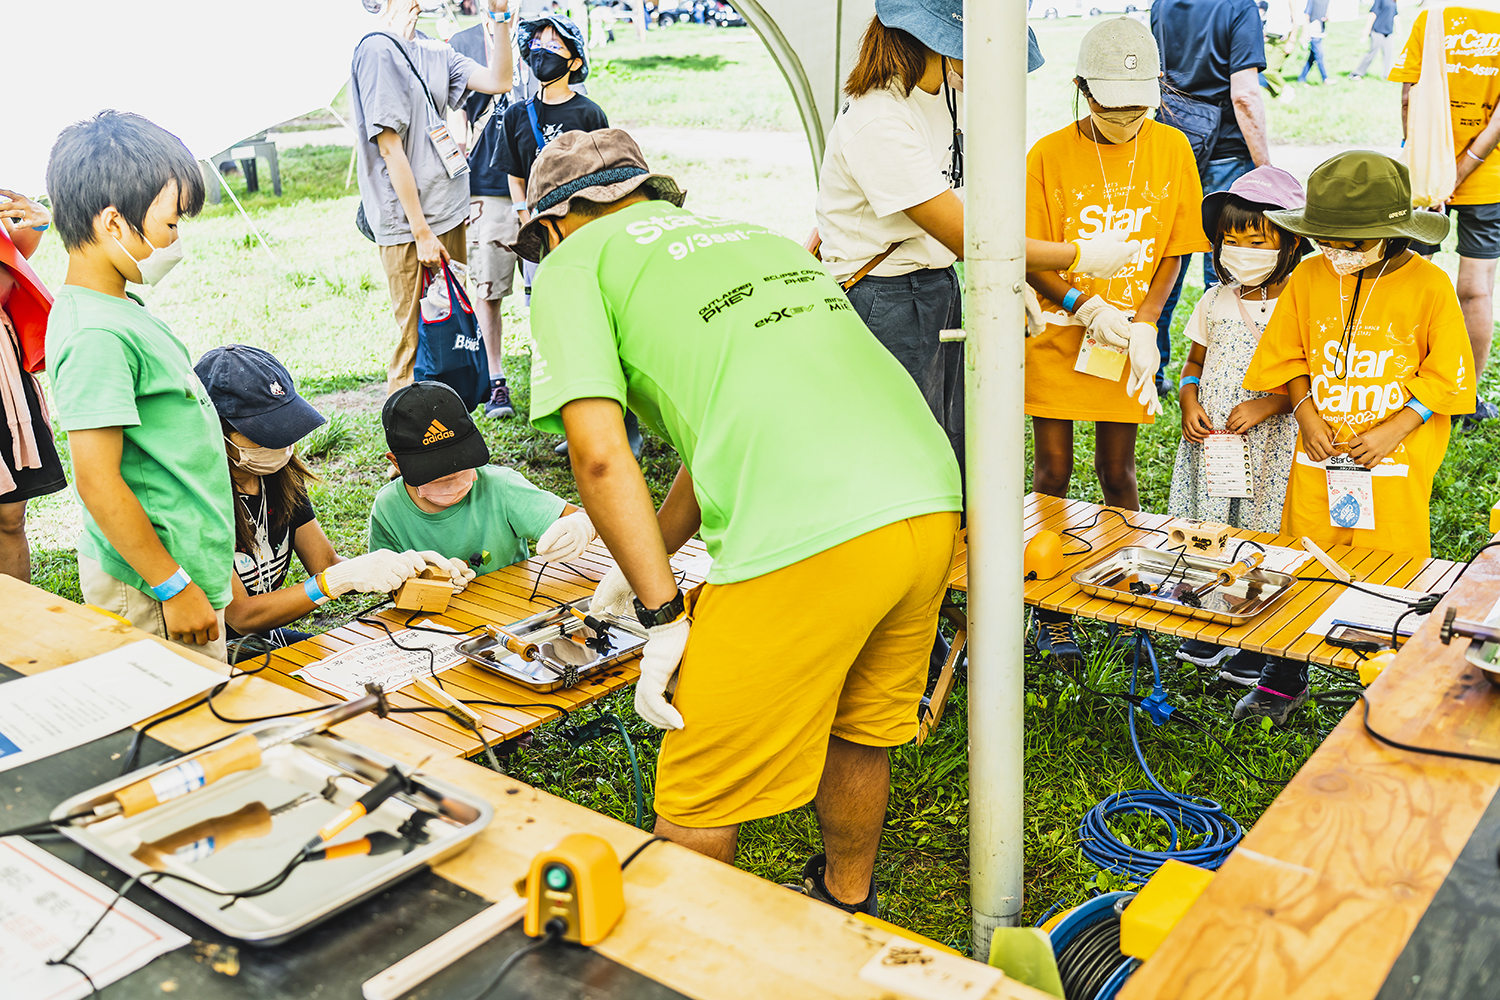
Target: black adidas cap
{"x":431,"y":434}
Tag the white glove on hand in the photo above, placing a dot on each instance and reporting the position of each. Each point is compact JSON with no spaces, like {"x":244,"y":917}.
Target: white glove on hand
{"x":375,"y":572}
{"x":1145,"y":358}
{"x":663,"y":652}
{"x":1103,"y":255}
{"x":613,"y":595}
{"x":1105,"y":323}
{"x":567,"y":538}
{"x":459,"y":572}
{"x":1036,"y":323}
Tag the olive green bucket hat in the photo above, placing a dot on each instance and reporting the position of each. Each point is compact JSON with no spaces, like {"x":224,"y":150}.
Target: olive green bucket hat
{"x":1361,"y":195}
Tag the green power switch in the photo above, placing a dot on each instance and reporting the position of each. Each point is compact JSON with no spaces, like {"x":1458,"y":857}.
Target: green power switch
{"x":558,"y":878}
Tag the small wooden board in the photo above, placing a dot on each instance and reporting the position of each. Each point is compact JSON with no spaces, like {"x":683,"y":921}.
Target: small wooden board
{"x":429,"y":591}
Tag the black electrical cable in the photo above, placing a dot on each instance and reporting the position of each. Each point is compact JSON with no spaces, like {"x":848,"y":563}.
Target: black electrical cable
{"x":1088,"y":546}
{"x":1090,"y":958}
{"x":554,"y":931}
{"x":1431,"y":751}
{"x":1243,"y":542}
{"x":1460,"y":576}
{"x":637,"y":852}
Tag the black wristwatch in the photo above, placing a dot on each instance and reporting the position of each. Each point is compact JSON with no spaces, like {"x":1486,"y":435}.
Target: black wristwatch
{"x":664,"y":615}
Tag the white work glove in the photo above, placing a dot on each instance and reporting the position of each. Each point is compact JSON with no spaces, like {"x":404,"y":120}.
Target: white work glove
{"x":375,"y":572}
{"x":1103,"y":255}
{"x":567,"y":538}
{"x":1036,"y":323}
{"x":1145,"y":358}
{"x":459,"y":572}
{"x":1105,"y":323}
{"x":613,"y":595}
{"x":659,"y":660}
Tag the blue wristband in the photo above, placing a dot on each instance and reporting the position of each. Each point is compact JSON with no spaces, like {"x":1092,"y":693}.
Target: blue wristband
{"x":499,"y":18}
{"x":1187,"y":380}
{"x":1419,"y":409}
{"x":172,"y":585}
{"x":314,"y":592}
{"x":1071,"y":299}
{"x":43,"y":227}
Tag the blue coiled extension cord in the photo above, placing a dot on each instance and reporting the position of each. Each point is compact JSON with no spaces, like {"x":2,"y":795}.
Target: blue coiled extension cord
{"x":1180,"y":813}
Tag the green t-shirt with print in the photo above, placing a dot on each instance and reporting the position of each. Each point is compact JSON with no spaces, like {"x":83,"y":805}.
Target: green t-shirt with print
{"x":488,"y":528}
{"x":113,"y":364}
{"x":799,"y":429}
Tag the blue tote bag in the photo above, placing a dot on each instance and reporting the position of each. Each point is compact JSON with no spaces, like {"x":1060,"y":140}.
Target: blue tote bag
{"x":449,"y":349}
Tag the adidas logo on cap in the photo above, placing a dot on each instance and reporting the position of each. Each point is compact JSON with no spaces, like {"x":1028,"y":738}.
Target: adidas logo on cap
{"x":435,"y":433}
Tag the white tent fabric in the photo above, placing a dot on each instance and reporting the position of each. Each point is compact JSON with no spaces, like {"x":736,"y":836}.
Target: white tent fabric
{"x":814,"y":42}
{"x":212,"y":73}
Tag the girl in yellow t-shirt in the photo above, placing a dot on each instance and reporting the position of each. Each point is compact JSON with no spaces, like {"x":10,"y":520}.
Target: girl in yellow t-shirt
{"x":1096,"y":359}
{"x":1368,"y":341}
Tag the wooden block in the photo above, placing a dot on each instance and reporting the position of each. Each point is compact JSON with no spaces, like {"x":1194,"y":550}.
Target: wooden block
{"x":430,"y":591}
{"x":1202,"y":538}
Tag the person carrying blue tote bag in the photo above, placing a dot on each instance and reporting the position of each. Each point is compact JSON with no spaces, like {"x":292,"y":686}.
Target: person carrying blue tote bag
{"x":449,"y":348}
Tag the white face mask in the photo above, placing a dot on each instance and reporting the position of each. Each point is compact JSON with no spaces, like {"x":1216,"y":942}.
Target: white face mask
{"x":260,"y":461}
{"x":155,"y":265}
{"x":1249,"y":265}
{"x":1348,"y":261}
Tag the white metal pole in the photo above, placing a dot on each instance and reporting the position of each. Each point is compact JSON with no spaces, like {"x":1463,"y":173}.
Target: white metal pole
{"x":994,"y":381}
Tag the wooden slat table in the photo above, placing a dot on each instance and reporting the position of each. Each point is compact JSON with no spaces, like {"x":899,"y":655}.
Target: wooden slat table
{"x":1280,"y":632}
{"x":1323,"y":893}
{"x":497,"y":598}
{"x":704,"y":928}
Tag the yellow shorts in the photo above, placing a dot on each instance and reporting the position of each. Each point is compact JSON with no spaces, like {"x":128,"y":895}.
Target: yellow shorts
{"x":835,"y":644}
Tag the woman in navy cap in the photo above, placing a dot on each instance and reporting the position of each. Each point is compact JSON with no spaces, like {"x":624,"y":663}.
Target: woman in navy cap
{"x":264,"y":418}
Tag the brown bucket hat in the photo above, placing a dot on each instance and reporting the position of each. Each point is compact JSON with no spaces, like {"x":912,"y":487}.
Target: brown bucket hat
{"x":600,"y":167}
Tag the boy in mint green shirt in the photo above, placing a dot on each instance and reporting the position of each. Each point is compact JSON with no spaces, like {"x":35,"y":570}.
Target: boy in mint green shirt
{"x":450,"y":500}
{"x":148,"y":456}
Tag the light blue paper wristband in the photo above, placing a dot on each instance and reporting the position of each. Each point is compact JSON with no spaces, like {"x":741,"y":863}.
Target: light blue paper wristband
{"x":172,"y":585}
{"x":1419,"y":409}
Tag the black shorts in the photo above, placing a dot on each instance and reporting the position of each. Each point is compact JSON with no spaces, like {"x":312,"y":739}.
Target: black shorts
{"x":1478,"y":232}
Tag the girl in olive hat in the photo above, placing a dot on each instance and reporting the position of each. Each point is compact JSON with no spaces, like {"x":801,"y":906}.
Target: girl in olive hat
{"x":1369,"y":343}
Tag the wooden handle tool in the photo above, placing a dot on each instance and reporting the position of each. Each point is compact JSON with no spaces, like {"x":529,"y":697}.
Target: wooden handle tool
{"x":202,"y":839}
{"x":240,"y":754}
{"x":1231,"y":573}
{"x":525,"y":650}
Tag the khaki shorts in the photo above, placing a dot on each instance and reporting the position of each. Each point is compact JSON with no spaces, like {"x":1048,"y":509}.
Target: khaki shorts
{"x":403,"y":275}
{"x":837,"y":644}
{"x":493,"y":226}
{"x":136,"y":606}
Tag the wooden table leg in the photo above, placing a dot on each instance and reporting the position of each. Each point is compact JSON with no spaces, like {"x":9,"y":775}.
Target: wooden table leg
{"x":944,"y":686}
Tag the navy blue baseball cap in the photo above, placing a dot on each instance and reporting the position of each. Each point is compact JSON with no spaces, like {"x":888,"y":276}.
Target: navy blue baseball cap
{"x":255,"y":394}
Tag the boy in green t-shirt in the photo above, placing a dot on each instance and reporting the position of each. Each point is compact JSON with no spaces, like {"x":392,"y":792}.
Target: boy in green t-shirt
{"x":450,"y":500}
{"x":148,"y":455}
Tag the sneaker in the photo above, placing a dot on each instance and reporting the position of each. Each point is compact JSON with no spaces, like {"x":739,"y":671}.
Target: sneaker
{"x":1244,"y":669}
{"x":1483,"y":410}
{"x":812,"y":885}
{"x":498,"y":405}
{"x":1164,"y":386}
{"x":1120,"y":639}
{"x":1273,"y":704}
{"x":1055,"y":637}
{"x":1204,"y":654}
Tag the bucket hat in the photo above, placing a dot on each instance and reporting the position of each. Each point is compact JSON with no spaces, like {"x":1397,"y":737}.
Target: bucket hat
{"x":1121,"y":64}
{"x":937,"y":24}
{"x":601,"y":167}
{"x":255,"y":394}
{"x":1361,"y":195}
{"x":564,"y":26}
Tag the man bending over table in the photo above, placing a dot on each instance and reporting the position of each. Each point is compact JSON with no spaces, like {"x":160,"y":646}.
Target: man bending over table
{"x":831,"y":516}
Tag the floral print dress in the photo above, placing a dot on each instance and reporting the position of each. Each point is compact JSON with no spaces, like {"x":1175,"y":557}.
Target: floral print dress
{"x":1220,"y":326}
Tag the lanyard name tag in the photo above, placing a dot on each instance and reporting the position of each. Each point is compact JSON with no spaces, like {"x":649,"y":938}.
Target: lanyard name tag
{"x":1351,"y":494}
{"x":453,"y":157}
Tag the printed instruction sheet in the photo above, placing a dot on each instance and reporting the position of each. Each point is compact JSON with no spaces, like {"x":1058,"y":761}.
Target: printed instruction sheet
{"x":1373,"y":612}
{"x":69,"y":706}
{"x":382,"y":662}
{"x":46,"y":906}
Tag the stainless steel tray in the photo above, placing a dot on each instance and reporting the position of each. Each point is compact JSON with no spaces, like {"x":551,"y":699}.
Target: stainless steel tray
{"x":322,"y":774}
{"x":1139,"y":575}
{"x":565,"y":659}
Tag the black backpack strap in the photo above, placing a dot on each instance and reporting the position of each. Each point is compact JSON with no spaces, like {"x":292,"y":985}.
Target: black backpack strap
{"x":402,"y":49}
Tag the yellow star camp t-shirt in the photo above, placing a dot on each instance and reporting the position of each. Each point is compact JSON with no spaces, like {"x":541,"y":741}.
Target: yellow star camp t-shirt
{"x":1472,"y":36}
{"x":1077,"y":187}
{"x":1408,"y":341}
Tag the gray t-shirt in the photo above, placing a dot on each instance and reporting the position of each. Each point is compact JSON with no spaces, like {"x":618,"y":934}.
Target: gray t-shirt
{"x":385,"y":94}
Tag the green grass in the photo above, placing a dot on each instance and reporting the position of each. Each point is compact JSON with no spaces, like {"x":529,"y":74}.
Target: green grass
{"x":324,"y":311}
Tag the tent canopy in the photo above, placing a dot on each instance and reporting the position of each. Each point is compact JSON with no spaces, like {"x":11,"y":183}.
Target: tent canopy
{"x":210,"y":73}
